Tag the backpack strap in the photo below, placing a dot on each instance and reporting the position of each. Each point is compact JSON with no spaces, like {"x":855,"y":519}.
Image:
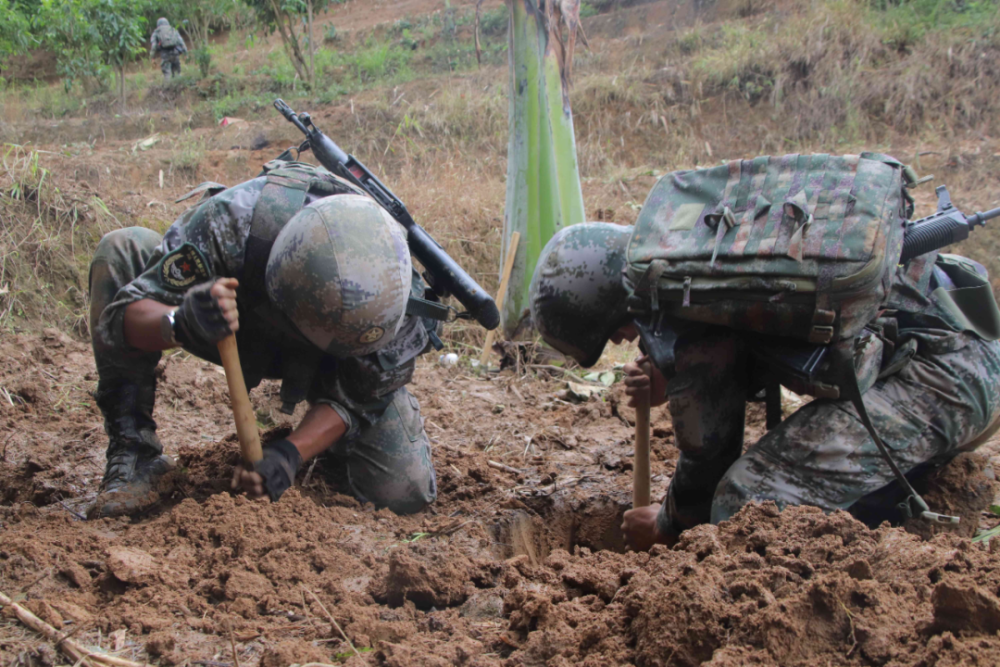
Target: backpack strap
{"x":842,"y":363}
{"x":207,"y":190}
{"x":283,"y":195}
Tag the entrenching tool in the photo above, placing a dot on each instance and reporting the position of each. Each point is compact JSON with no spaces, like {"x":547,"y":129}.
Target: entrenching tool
{"x":640,"y":464}
{"x":243,"y":415}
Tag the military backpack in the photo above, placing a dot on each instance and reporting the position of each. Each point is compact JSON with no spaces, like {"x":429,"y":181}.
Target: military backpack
{"x":798,"y":251}
{"x":168,"y":37}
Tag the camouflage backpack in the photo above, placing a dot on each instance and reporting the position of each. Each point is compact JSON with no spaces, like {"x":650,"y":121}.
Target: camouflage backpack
{"x":803,"y":246}
{"x":168,"y":37}
{"x":798,"y":251}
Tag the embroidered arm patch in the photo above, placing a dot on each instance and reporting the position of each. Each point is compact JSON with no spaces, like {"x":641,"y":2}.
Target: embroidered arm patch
{"x":184,"y":267}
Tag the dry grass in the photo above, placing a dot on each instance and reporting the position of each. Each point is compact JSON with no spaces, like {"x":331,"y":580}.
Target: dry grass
{"x":47,"y":234}
{"x":770,"y":76}
{"x":839,"y":67}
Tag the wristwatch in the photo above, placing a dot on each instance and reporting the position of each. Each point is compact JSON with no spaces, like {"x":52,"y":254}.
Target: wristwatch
{"x":168,"y":328}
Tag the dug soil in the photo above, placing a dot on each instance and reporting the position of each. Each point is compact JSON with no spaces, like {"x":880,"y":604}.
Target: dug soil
{"x":520,"y":562}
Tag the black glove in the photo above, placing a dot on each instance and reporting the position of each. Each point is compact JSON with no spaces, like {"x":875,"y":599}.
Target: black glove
{"x":278,"y":467}
{"x":200,"y":317}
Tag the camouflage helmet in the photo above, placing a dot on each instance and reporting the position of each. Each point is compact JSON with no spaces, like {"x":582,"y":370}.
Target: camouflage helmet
{"x":576,"y":296}
{"x":340,"y":270}
{"x":160,"y":22}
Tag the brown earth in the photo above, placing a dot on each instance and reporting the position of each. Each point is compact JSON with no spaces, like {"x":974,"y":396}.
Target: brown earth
{"x":510,"y":567}
{"x":516,"y":564}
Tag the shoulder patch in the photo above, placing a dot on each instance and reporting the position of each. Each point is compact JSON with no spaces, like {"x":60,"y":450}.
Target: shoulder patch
{"x":184,"y":267}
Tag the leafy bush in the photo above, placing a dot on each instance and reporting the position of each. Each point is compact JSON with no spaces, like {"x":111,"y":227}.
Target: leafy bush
{"x":92,"y":38}
{"x":203,"y":57}
{"x":378,"y":61}
{"x":494,"y":21}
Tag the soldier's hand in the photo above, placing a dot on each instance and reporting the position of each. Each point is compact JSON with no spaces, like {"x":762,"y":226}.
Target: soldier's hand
{"x":642,"y":378}
{"x":639,"y":528}
{"x":208,"y":312}
{"x":273,"y":474}
{"x":248,"y":481}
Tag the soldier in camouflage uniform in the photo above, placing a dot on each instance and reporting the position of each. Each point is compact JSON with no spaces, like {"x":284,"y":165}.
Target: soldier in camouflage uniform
{"x":315,"y":280}
{"x":941,"y":400}
{"x":169,"y":44}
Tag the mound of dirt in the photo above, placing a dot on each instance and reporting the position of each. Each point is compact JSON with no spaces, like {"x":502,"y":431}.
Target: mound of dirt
{"x":518,"y":563}
{"x":767,"y":588}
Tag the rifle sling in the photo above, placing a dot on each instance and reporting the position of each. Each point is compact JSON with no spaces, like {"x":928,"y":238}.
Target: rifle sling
{"x":843,"y":360}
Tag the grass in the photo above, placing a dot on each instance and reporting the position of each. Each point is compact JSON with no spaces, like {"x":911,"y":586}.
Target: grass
{"x":846,"y":66}
{"x":47,"y":234}
{"x":835,"y":76}
{"x":188,"y":156}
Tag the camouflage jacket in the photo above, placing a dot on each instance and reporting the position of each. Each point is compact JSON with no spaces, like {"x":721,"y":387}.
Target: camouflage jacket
{"x":270,"y":346}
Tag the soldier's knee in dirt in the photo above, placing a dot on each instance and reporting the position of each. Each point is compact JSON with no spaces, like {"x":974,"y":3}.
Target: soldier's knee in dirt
{"x":390,"y":462}
{"x":737,"y":487}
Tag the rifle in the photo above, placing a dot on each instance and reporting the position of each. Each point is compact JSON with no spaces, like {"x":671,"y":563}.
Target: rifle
{"x":947,"y":226}
{"x":443,"y":273}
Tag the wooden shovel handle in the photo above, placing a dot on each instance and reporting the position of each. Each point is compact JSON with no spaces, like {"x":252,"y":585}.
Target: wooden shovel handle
{"x":640,"y":462}
{"x":515,"y":239}
{"x":243,"y":414}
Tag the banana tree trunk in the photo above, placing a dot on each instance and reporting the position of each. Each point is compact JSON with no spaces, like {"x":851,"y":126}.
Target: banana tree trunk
{"x":543,"y":182}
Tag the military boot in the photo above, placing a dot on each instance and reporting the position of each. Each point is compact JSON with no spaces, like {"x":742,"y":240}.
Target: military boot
{"x":136,"y":464}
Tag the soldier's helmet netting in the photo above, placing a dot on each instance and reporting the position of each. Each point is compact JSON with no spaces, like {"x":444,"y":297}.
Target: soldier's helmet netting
{"x":162,"y":22}
{"x":576,"y":296}
{"x":340,"y":271}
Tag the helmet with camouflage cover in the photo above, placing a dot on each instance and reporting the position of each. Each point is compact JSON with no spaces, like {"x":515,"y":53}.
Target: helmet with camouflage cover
{"x":340,"y":270}
{"x":160,"y":22}
{"x":576,"y":295}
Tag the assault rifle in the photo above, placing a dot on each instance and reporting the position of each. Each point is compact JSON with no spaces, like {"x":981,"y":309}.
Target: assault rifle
{"x":947,"y":226}
{"x":443,"y":273}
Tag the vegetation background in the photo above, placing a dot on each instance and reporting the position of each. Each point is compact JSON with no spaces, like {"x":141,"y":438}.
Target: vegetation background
{"x":94,"y":139}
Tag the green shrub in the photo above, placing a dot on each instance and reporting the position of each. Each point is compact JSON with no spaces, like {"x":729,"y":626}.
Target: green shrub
{"x":376,"y":62}
{"x":203,"y":57}
{"x":494,"y":21}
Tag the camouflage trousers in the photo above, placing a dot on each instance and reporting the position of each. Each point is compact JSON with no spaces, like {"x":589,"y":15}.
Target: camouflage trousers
{"x":170,"y":65}
{"x":387,"y":461}
{"x":944,"y":402}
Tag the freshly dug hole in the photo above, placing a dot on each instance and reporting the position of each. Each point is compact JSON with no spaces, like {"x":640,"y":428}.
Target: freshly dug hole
{"x":561,"y":522}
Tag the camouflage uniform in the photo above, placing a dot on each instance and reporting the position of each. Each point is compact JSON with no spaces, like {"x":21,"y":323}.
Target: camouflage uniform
{"x":385,"y":450}
{"x":170,"y":57}
{"x":940,"y":398}
{"x":938,"y":405}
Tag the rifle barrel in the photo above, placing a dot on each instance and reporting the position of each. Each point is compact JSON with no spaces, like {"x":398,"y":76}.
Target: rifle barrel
{"x":981,"y":218}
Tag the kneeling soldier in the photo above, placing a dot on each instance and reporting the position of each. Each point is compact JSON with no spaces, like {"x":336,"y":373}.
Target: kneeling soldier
{"x":314,"y":279}
{"x":940,"y":397}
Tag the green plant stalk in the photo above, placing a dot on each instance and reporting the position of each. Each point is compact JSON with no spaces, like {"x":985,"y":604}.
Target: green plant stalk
{"x":521,"y":169}
{"x":559,"y":116}
{"x":543,"y":182}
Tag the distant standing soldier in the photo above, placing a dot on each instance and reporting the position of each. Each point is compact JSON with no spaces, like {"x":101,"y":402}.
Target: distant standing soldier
{"x":166,"y":41}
